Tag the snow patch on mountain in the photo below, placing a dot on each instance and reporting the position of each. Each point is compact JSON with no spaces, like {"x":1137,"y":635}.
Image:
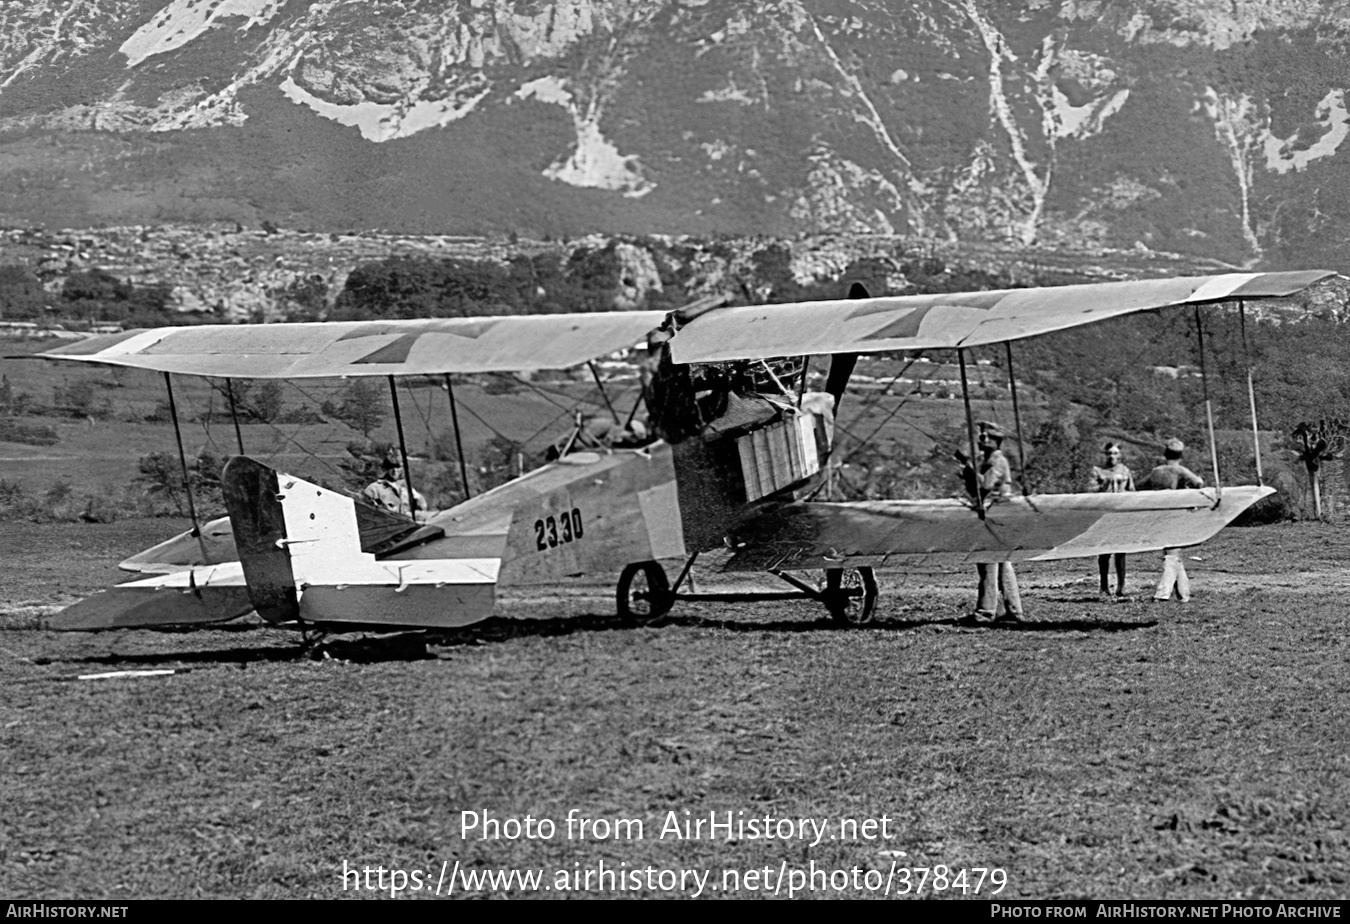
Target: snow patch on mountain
{"x":386,"y":121}
{"x":184,"y":20}
{"x":1070,"y":121}
{"x":1331,"y":122}
{"x":595,"y":162}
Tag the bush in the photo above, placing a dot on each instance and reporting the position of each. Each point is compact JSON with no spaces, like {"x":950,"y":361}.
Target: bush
{"x":21,"y":292}
{"x":1278,"y":508}
{"x":80,"y":399}
{"x":254,"y":399}
{"x":361,"y":406}
{"x":98,"y":295}
{"x":443,"y":488}
{"x":304,"y":414}
{"x":11,"y":492}
{"x":260,"y":399}
{"x":1062,"y":454}
{"x":161,"y":413}
{"x":17,"y":504}
{"x":161,"y":481}
{"x":12,"y":431}
{"x":500,"y":460}
{"x":444,"y":448}
{"x":99,"y":509}
{"x":58,"y":503}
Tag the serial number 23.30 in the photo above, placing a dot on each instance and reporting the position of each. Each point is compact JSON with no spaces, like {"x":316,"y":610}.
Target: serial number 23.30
{"x":551,"y":531}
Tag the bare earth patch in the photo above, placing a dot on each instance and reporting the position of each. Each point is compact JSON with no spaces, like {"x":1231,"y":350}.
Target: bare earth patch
{"x":1120,"y":750}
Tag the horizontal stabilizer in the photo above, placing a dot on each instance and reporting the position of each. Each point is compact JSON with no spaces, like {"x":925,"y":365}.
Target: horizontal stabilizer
{"x":300,"y":546}
{"x":213,"y":545}
{"x":198,"y":596}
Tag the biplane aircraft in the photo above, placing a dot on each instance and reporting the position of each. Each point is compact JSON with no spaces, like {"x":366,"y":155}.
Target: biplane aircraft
{"x":739,"y":452}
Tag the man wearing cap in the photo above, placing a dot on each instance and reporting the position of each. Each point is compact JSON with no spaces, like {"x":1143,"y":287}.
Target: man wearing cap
{"x":390,"y":491}
{"x":991,"y":483}
{"x":1170,"y":476}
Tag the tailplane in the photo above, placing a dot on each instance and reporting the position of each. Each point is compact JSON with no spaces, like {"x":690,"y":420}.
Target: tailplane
{"x":191,"y":597}
{"x":212,"y":544}
{"x":302,"y":552}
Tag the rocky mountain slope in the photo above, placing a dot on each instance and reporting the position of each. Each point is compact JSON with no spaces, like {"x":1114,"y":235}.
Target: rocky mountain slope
{"x":1209,"y":128}
{"x":230,"y":273}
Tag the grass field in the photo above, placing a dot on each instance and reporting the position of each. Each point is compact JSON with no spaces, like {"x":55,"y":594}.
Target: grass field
{"x":1107,"y":750}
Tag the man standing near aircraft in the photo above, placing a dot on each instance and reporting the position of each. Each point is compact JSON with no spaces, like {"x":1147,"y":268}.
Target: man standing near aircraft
{"x":1168,"y":477}
{"x":994,"y":481}
{"x":1114,"y":477}
{"x":390,"y":491}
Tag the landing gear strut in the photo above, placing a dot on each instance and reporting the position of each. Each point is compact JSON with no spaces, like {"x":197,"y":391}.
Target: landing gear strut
{"x":644,"y":593}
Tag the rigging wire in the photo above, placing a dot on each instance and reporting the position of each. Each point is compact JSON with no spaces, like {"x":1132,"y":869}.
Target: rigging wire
{"x":887,"y":419}
{"x":478,"y":417}
{"x":205,"y":421}
{"x":544,"y":428}
{"x":425,"y":416}
{"x":557,"y":391}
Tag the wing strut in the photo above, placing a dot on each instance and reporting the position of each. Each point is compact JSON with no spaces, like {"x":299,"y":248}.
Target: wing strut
{"x":595,"y":374}
{"x":234,"y":414}
{"x":403,"y":449}
{"x":970,"y":432}
{"x":182,"y":461}
{"x":842,"y":364}
{"x":841,"y":368}
{"x":1251,"y":390}
{"x":1017,"y":421}
{"x":1209,"y":408}
{"x":459,"y":443}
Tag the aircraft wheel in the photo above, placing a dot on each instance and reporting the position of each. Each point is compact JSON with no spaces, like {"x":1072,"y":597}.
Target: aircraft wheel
{"x":644,"y":592}
{"x":851,"y":595}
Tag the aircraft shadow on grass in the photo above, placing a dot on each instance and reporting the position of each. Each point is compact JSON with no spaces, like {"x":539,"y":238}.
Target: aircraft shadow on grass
{"x":902,"y":624}
{"x":425,"y":645}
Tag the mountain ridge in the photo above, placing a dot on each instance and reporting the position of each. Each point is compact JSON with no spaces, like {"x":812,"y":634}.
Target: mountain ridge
{"x":1215,"y":130}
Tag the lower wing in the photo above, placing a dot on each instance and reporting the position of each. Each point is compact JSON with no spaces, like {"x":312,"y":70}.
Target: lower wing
{"x":1044,"y":527}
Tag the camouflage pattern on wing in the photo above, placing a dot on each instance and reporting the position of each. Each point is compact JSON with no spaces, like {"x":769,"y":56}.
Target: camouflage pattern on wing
{"x":1044,"y":527}
{"x":950,"y":320}
{"x":362,"y":348}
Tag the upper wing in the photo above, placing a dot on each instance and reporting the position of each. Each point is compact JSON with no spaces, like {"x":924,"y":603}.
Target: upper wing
{"x":349,"y":348}
{"x":949,"y":320}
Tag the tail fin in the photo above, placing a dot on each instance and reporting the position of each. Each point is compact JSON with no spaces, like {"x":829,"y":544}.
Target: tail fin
{"x":302,"y":551}
{"x":253,"y":499}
